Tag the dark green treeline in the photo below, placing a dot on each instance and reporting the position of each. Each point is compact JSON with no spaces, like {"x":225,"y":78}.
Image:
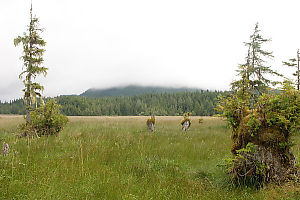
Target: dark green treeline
{"x":201,"y":103}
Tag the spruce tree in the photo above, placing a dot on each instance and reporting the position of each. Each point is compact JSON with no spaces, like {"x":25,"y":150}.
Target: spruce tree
{"x":253,"y":74}
{"x":32,"y":60}
{"x":294,"y":62}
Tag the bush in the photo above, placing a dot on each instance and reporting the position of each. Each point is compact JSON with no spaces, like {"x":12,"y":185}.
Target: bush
{"x":45,"y":120}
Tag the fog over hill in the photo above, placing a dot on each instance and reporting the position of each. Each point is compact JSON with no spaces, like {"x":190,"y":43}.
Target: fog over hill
{"x":134,"y":90}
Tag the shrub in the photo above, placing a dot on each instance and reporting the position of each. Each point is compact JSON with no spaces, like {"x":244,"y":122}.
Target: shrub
{"x":45,"y":120}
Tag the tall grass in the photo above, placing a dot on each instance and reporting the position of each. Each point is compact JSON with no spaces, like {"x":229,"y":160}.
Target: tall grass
{"x":118,"y":158}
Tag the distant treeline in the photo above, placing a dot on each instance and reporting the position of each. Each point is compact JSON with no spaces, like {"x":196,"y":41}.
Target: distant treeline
{"x":200,"y":103}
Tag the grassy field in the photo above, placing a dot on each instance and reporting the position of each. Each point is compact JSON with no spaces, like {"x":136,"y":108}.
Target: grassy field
{"x":117,"y":158}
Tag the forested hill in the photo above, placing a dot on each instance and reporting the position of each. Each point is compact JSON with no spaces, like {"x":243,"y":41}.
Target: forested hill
{"x":198,"y":103}
{"x":133,"y":90}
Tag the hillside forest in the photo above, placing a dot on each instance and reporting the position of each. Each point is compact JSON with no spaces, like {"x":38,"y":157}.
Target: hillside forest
{"x":200,"y":103}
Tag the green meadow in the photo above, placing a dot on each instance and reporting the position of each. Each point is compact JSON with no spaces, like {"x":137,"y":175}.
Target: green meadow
{"x":118,"y":158}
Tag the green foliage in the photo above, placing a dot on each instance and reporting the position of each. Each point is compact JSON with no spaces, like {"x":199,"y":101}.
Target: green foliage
{"x":257,"y":67}
{"x":283,"y":145}
{"x":45,"y":120}
{"x":294,"y":62}
{"x":282,"y":110}
{"x":32,"y":59}
{"x":254,"y":73}
{"x":246,"y":168}
{"x":233,"y":109}
{"x":250,"y":148}
{"x":201,"y":103}
{"x":253,"y":125}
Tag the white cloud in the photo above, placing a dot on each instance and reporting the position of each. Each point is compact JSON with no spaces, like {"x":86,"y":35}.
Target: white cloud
{"x":161,"y":42}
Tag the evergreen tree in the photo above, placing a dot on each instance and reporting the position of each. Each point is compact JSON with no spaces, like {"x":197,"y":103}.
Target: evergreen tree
{"x":32,"y":59}
{"x":294,"y":62}
{"x":254,"y":82}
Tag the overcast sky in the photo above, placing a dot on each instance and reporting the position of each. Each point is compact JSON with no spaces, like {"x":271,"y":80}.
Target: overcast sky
{"x":104,"y":43}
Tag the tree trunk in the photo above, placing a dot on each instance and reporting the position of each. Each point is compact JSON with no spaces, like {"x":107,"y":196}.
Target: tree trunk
{"x":27,"y":99}
{"x":298,"y":71}
{"x":28,"y":116}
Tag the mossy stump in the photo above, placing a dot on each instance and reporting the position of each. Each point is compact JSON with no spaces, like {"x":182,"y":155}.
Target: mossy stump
{"x":186,"y":125}
{"x":186,"y":122}
{"x":151,"y":123}
{"x":5,"y":149}
{"x":262,"y":152}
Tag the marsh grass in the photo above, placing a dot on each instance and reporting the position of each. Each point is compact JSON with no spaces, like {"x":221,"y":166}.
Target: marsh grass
{"x":118,"y":158}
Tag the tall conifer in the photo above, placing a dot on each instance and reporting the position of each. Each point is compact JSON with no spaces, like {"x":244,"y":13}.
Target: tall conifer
{"x":32,"y":60}
{"x":253,"y":74}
